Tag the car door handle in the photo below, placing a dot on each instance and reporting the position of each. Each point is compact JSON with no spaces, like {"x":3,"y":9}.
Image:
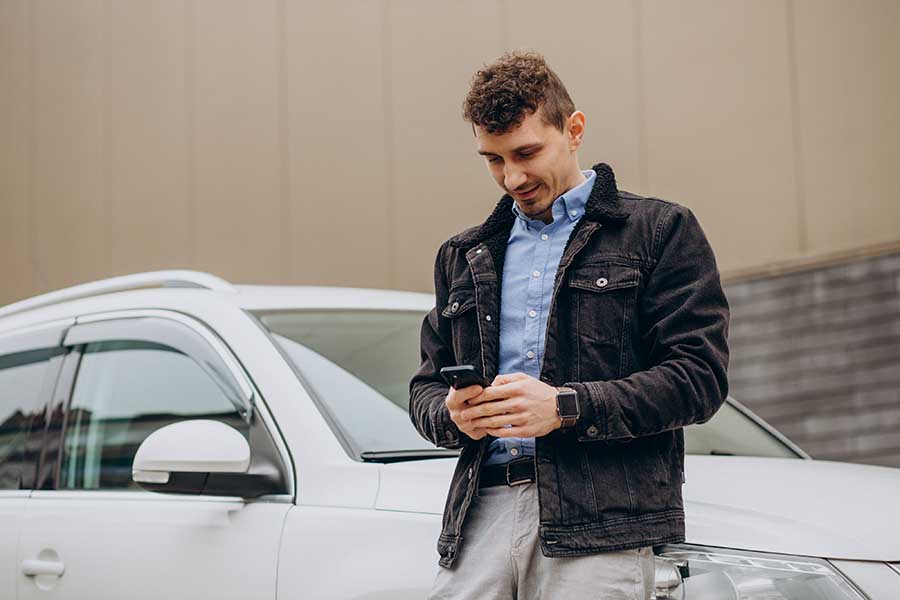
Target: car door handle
{"x":42,"y":567}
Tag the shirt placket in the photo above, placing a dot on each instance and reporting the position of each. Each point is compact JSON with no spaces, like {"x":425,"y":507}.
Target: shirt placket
{"x":531,"y":334}
{"x":530,"y":350}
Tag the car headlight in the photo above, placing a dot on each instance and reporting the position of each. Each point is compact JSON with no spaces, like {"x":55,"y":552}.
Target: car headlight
{"x":685,"y":572}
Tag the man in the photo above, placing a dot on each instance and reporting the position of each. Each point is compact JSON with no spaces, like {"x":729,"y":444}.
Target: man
{"x":600,"y":320}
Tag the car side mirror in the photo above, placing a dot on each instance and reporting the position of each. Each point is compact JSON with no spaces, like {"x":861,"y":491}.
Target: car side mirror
{"x":183,"y":457}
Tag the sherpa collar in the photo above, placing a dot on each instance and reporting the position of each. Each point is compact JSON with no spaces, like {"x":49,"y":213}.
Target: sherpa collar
{"x":603,"y":205}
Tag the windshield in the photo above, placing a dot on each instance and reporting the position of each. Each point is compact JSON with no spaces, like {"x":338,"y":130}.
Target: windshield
{"x":357,"y":365}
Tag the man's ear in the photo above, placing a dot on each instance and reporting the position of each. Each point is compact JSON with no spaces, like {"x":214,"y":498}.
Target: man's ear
{"x":575,"y":129}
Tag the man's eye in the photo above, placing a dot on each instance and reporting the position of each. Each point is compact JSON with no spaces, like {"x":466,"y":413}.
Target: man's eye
{"x":527,"y":154}
{"x":492,"y":159}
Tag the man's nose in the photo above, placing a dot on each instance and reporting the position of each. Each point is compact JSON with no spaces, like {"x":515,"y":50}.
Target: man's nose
{"x":513,"y":178}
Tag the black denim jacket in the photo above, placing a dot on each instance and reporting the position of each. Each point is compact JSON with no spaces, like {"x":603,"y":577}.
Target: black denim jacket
{"x":638,"y":326}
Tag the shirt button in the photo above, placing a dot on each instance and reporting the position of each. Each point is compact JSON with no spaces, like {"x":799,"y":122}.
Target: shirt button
{"x":545,"y":237}
{"x":529,"y":354}
{"x":536,"y":273}
{"x":532,"y":313}
{"x":514,"y":451}
{"x":573,"y":212}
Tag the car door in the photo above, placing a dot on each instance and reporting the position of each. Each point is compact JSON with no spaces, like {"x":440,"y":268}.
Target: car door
{"x":29,"y":363}
{"x":97,"y":534}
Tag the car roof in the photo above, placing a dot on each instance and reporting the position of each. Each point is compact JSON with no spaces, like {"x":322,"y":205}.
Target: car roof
{"x":274,"y":297}
{"x":190,"y":290}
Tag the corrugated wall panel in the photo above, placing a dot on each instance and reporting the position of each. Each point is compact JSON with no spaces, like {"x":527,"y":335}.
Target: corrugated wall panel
{"x":817,"y":354}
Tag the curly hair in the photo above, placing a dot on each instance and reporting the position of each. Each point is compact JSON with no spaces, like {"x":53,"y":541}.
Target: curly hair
{"x":512,"y":87}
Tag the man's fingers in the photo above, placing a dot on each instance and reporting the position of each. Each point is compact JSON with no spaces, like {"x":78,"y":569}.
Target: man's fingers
{"x":476,"y":433}
{"x":498,"y":392}
{"x":522,"y":431}
{"x":469,"y":392}
{"x":456,"y":399}
{"x":486,"y":409}
{"x":508,"y":377}
{"x":454,"y":402}
{"x":500,"y":421}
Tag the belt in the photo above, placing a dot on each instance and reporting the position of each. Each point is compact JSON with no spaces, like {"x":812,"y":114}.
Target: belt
{"x":520,"y":470}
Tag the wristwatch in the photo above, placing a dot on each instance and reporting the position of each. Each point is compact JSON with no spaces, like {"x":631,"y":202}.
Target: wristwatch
{"x":567,"y":406}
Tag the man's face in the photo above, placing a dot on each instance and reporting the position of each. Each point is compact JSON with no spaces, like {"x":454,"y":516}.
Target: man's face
{"x":534,"y":163}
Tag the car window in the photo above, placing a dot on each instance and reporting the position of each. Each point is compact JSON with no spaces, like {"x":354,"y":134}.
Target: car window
{"x":359,"y":364}
{"x":124,"y":391}
{"x":23,"y":377}
{"x":732,"y":432}
{"x":372,"y":421}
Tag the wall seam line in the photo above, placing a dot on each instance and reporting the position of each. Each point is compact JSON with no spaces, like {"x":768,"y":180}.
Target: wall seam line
{"x":39,"y":276}
{"x":387,"y":95}
{"x":287,"y":250}
{"x":796,"y":137}
{"x":106,"y":125}
{"x":640,"y":92}
{"x":190,"y":141}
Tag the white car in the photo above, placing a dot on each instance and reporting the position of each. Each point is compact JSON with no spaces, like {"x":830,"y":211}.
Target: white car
{"x":170,"y":435}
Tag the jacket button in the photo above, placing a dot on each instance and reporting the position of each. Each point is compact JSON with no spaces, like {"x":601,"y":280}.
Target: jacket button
{"x":487,"y":317}
{"x":592,"y":431}
{"x":479,"y":251}
{"x":602,"y":282}
{"x":454,"y":307}
{"x":470,"y":472}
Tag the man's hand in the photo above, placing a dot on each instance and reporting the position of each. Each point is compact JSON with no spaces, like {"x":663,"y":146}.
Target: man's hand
{"x":457,"y":401}
{"x":516,"y":399}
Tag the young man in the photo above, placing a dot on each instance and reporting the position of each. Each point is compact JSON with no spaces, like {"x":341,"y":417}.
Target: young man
{"x":599,"y":317}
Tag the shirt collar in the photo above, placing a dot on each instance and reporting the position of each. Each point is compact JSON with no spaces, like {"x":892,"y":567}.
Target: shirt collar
{"x":570,"y":204}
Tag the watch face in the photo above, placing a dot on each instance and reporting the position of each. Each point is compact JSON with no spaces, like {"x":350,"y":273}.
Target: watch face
{"x":567,"y":404}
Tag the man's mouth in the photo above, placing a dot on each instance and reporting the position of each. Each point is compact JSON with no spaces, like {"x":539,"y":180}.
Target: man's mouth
{"x":528,"y":192}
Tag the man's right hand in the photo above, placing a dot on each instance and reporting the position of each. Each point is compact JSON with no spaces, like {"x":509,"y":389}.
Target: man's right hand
{"x":456,"y":402}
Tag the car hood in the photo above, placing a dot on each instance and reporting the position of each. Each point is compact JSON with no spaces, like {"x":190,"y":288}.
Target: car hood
{"x":791,"y":506}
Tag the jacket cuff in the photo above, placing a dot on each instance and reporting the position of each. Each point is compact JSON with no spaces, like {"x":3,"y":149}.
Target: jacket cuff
{"x":592,"y":424}
{"x":449,"y":435}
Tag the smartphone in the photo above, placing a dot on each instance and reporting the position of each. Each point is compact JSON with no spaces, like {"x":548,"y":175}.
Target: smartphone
{"x":463,"y":376}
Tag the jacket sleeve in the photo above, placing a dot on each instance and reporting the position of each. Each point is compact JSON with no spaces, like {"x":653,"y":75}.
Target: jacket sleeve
{"x":427,"y":389}
{"x":683,"y":321}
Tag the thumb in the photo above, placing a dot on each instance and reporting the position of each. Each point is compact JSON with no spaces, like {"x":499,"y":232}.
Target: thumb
{"x":508,"y":377}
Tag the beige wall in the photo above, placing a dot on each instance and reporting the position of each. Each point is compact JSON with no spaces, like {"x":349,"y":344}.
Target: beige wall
{"x":237,"y":136}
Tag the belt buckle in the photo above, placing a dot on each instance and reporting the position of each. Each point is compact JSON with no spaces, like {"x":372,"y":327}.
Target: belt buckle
{"x":523,"y":459}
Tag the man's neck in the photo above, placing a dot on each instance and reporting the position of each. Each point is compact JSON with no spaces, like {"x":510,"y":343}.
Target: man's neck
{"x":577,"y":179}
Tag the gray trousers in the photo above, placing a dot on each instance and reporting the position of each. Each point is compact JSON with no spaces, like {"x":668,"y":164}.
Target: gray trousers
{"x":501,"y":558}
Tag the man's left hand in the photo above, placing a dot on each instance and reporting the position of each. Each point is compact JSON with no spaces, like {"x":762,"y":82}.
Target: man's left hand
{"x":516,"y":399}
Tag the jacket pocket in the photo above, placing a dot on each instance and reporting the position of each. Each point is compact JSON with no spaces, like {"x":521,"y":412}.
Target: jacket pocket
{"x":603,"y":302}
{"x":463,"y":326}
{"x":459,"y":302}
{"x":648,"y":473}
{"x":603,"y":277}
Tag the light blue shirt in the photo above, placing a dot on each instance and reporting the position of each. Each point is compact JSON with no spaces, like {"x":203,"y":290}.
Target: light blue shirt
{"x":529,"y":271}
